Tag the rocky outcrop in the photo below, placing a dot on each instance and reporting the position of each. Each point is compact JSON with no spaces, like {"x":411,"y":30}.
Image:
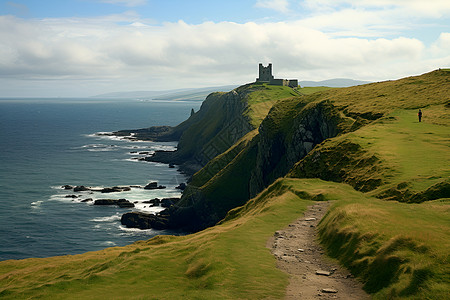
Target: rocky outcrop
{"x":115,"y":189}
{"x":154,"y":186}
{"x":122,"y":203}
{"x":155,"y":133}
{"x":144,"y":221}
{"x":79,"y":188}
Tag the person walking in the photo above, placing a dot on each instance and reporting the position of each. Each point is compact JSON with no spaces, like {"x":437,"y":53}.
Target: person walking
{"x":419,"y":114}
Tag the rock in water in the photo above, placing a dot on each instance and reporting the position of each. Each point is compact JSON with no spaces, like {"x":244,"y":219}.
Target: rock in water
{"x":181,"y":186}
{"x":106,"y":202}
{"x":80,"y":188}
{"x":153,"y":186}
{"x":167,"y":202}
{"x":143,"y":221}
{"x":124,"y":203}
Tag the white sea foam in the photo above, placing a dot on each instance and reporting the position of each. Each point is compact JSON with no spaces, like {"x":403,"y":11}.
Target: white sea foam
{"x":36,"y":203}
{"x":108,"y":243}
{"x":134,"y":230}
{"x":112,"y":218}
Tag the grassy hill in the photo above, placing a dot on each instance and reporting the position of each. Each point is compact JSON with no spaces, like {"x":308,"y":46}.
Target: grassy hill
{"x":386,"y":173}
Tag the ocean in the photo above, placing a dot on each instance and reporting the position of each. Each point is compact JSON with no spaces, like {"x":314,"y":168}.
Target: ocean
{"x":48,"y":143}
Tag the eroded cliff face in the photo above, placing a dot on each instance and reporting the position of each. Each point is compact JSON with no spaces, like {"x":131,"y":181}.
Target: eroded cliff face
{"x":218,"y":124}
{"x":283,"y":146}
{"x":292,"y":128}
{"x":240,"y":160}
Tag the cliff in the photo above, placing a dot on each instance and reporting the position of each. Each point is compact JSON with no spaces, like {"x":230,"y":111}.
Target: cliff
{"x":222,"y":120}
{"x":357,"y":147}
{"x":240,"y":142}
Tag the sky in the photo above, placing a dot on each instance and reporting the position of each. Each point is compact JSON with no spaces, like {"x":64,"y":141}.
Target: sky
{"x":79,"y":48}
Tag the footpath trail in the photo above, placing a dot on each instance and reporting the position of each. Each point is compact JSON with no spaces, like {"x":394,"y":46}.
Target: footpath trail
{"x":313,"y":275}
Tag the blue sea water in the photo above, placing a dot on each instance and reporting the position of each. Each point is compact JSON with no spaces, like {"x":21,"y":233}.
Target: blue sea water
{"x":47,"y":143}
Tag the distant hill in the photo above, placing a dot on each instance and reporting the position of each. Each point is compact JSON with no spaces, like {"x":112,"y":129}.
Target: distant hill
{"x":173,"y":95}
{"x":336,"y":82}
{"x":200,"y":94}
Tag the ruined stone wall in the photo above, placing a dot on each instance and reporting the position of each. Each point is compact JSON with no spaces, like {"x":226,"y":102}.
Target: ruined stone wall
{"x":285,"y":82}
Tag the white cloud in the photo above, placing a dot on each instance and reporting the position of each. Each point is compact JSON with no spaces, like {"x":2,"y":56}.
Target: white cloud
{"x":277,"y":5}
{"x":129,"y":3}
{"x":105,"y":56}
{"x":372,"y":18}
{"x":424,"y":8}
{"x":441,"y":48}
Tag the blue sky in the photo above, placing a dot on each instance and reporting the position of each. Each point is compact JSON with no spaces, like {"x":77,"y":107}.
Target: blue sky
{"x":88,"y":47}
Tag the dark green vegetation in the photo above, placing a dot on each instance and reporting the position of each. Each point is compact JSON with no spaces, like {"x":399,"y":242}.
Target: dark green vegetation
{"x":361,"y":147}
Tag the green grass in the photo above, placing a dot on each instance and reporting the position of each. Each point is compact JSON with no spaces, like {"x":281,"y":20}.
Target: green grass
{"x":311,"y":90}
{"x":264,"y":96}
{"x":395,"y":157}
{"x":228,"y":261}
{"x":399,"y":250}
{"x":416,"y":153}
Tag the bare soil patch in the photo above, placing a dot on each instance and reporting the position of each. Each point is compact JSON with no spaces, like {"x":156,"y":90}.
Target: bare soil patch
{"x":313,"y":274}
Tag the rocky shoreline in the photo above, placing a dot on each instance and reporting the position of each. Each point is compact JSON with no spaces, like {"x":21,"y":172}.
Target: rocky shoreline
{"x":139,"y":219}
{"x":135,"y":219}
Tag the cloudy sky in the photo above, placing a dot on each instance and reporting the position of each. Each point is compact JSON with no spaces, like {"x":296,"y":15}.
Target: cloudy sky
{"x":87,"y":47}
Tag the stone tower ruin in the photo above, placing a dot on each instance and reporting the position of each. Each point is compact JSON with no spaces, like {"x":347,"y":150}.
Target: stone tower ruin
{"x":265,"y":73}
{"x":265,"y":76}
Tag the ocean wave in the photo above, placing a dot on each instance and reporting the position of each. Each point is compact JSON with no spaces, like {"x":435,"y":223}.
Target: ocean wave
{"x":105,"y":136}
{"x":127,"y":230}
{"x":36,"y":203}
{"x":108,"y":244}
{"x":112,"y":218}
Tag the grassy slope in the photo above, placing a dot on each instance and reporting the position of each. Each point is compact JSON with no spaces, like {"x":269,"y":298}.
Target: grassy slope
{"x":229,"y":261}
{"x":397,"y":249}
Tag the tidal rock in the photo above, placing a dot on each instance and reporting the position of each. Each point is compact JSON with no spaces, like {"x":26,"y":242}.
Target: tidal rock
{"x":124,"y":203}
{"x":155,"y":201}
{"x":115,"y":189}
{"x":171,"y":166}
{"x":86,"y":200}
{"x":167,"y":202}
{"x":67,"y":187}
{"x":143,"y":221}
{"x":71,"y":196}
{"x":106,"y":202}
{"x":80,"y":188}
{"x":154,"y":186}
{"x":181,"y":186}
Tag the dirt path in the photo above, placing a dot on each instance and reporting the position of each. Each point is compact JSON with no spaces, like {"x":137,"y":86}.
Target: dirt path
{"x":313,"y":275}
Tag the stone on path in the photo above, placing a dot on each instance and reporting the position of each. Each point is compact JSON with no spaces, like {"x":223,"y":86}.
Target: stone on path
{"x":324,"y":273}
{"x":330,"y":291}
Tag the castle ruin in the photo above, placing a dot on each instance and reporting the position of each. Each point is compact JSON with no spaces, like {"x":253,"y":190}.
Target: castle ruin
{"x":265,"y":76}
